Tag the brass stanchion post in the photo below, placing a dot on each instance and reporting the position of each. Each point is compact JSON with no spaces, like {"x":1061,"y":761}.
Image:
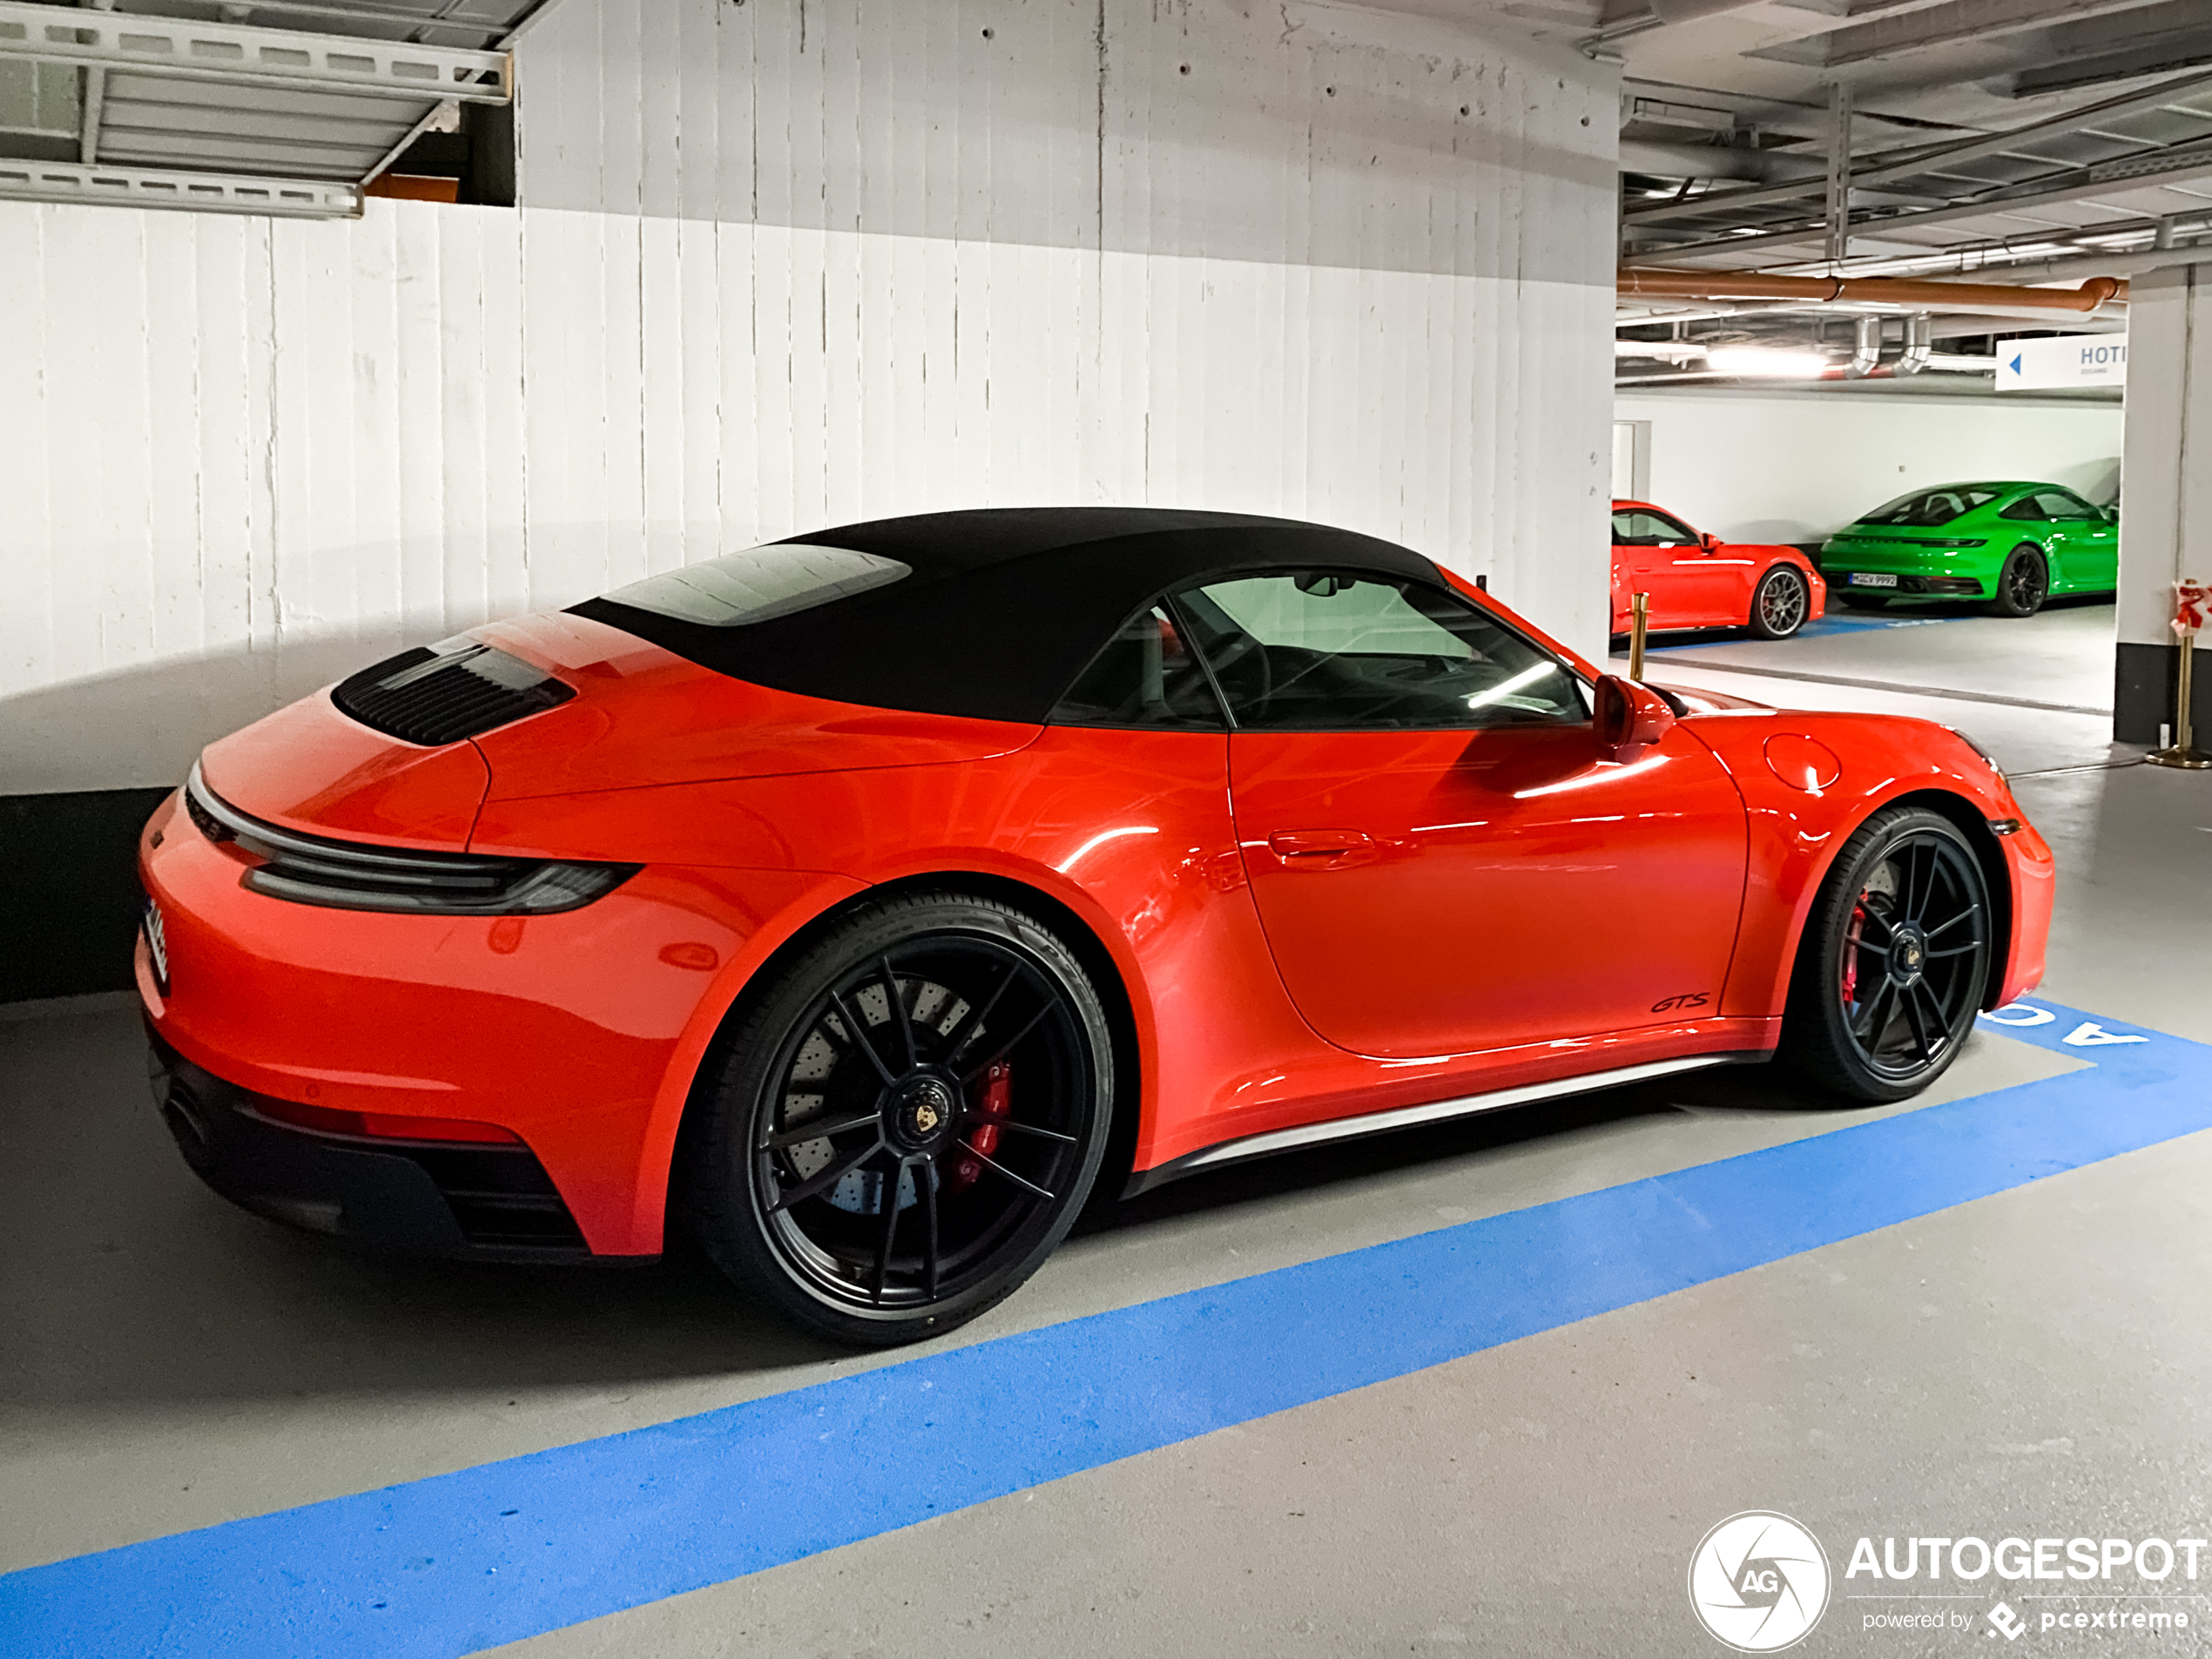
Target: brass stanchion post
{"x":1639,"y":620}
{"x":2189,"y":616}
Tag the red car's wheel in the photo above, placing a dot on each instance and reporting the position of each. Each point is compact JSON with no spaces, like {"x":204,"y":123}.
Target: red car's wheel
{"x":903,"y":1126}
{"x":1894,"y":960}
{"x":1781,"y":602}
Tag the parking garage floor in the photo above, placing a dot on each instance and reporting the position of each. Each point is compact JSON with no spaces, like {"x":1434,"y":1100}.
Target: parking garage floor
{"x":1476,"y":1388}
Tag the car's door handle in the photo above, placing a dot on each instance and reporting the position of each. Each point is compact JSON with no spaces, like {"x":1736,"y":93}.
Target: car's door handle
{"x":1319,"y":845}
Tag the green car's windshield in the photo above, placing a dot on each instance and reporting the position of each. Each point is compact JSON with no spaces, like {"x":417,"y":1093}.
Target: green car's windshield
{"x":1924,"y":508}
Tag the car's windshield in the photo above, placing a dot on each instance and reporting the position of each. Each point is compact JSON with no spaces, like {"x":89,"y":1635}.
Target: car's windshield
{"x":1923,"y":509}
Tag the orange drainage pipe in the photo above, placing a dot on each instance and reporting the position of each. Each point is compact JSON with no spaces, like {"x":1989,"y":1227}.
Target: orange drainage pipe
{"x":1886,"y":291}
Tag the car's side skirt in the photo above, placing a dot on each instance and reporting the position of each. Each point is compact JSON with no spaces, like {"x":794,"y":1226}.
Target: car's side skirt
{"x":1343,"y":1128}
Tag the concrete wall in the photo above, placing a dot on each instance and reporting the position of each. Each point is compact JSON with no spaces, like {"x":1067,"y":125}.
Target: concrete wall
{"x":1796,"y":467}
{"x":783,"y":265}
{"x":2166,"y":512}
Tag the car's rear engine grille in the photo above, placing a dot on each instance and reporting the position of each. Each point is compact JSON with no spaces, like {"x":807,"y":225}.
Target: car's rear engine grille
{"x":437,"y":694}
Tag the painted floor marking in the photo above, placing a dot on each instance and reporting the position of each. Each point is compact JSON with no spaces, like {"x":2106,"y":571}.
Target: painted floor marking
{"x":448,"y":1565}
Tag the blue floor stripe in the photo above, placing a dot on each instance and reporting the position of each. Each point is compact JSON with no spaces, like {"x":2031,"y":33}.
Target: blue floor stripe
{"x":453,"y":1563}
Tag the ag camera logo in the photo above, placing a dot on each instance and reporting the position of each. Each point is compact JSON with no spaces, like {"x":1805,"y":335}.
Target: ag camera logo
{"x":1758,"y":1581}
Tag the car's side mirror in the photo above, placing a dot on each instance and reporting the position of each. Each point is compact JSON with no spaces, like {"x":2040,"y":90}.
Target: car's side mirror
{"x":1707,"y":540}
{"x":1629,"y":717}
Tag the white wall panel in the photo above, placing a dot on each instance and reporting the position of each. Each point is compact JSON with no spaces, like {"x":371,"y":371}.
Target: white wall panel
{"x":1782,"y":467}
{"x":896,"y":266}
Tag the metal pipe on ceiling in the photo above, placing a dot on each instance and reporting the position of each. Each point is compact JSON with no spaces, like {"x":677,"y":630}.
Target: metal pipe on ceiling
{"x":1866,"y":349}
{"x":1882,"y":291}
{"x":1920,"y":345}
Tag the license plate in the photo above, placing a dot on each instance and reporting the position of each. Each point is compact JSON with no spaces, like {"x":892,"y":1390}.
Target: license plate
{"x":1872,"y":579}
{"x":157,"y":946}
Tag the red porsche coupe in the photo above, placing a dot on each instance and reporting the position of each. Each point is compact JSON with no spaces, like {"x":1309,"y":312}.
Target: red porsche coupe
{"x":859,"y":903}
{"x":1695,"y":580}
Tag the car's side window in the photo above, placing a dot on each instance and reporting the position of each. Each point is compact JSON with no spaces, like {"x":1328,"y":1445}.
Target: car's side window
{"x":1326,"y":651}
{"x":1639,"y":527}
{"x":1146,"y":675}
{"x":2057,"y":504}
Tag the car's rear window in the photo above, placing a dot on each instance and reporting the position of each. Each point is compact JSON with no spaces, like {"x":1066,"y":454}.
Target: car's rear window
{"x":760,"y":583}
{"x":1924,"y":508}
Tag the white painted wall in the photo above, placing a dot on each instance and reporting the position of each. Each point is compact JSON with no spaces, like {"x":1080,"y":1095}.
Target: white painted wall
{"x":1796,"y":467}
{"x":782,"y":265}
{"x":2166,"y":522}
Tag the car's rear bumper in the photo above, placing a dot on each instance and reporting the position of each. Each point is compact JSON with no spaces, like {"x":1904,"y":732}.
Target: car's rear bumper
{"x":1921,"y":572}
{"x":464,"y":1199}
{"x":576,"y":1033}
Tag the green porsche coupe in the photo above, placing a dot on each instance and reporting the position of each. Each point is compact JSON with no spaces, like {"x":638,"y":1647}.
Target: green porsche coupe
{"x":2012,"y":545}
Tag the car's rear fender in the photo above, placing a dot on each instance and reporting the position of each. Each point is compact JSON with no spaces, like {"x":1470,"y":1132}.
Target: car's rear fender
{"x":1071,"y":914}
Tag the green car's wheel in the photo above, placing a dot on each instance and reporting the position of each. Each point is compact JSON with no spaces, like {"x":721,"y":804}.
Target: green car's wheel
{"x":1779,"y":607}
{"x":2023,"y":584}
{"x":1866,"y":601}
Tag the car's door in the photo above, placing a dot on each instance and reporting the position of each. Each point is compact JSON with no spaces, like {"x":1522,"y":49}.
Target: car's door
{"x":2089,"y":537}
{"x":1691,"y":584}
{"x":1443,"y":857}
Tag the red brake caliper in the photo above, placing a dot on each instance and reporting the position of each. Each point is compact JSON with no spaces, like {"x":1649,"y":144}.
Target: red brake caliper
{"x":997,"y":1095}
{"x":1851,"y":953}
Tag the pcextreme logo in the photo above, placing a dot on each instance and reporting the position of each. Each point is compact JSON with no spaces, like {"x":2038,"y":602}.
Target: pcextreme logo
{"x":1758,"y":1581}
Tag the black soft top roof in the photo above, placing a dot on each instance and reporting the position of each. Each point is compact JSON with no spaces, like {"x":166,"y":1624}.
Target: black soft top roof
{"x":1004,"y":607}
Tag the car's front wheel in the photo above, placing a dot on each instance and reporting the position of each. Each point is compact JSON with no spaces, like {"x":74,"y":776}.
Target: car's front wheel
{"x":2022,"y":585}
{"x":1893,"y":961}
{"x":900,"y":1128}
{"x":1780,"y":603}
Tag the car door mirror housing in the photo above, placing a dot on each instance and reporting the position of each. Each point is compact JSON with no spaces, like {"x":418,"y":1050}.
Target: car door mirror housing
{"x":1707,"y":541}
{"x":1629,"y":717}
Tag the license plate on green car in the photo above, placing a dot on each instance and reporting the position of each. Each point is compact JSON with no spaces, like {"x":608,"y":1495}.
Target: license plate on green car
{"x":1872,"y":579}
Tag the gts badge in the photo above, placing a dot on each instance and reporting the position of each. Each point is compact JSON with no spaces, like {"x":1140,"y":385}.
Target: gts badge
{"x":1687,"y":1000}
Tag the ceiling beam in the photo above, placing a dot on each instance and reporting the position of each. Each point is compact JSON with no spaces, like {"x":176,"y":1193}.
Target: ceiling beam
{"x":1957,"y":23}
{"x":1924,"y":158}
{"x":234,"y":52}
{"x":2168,"y":167}
{"x":65,"y":181}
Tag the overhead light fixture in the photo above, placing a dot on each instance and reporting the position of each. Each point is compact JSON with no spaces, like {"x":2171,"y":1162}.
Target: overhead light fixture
{"x":1766,"y":363}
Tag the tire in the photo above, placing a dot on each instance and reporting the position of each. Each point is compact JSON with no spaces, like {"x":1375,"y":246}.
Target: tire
{"x":1780,"y":603}
{"x":2022,"y":585}
{"x":1906,"y":909}
{"x":963,"y":1132}
{"x":1865,"y":601}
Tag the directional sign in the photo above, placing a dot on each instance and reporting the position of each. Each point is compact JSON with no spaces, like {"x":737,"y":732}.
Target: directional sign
{"x":2069,"y":359}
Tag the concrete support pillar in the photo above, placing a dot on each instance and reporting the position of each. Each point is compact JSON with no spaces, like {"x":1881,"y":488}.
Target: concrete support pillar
{"x":2165,"y":493}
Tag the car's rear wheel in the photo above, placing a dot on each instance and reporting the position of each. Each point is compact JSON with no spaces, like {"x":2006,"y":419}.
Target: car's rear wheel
{"x":1780,"y":603}
{"x":1893,"y":961}
{"x":1866,"y":601}
{"x":903,"y":1126}
{"x":2022,"y":585}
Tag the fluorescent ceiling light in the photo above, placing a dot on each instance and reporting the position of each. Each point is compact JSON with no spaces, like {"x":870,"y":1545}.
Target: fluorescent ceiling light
{"x":1765,"y":362}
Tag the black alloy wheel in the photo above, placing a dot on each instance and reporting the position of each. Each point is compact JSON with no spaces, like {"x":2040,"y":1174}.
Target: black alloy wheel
{"x":1780,"y":603}
{"x":900,"y":1130}
{"x":2022,"y":585}
{"x":1865,"y":601}
{"x":1894,"y":960}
